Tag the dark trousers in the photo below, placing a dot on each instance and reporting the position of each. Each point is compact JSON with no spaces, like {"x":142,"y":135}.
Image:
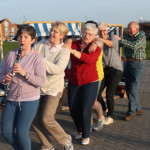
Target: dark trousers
{"x":111,"y":79}
{"x":80,"y":101}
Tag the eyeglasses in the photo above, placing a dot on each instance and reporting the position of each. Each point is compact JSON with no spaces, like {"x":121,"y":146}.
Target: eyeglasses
{"x":102,"y":30}
{"x":55,"y":31}
{"x":85,"y":34}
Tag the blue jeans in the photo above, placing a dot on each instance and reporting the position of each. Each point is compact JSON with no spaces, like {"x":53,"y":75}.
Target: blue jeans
{"x":133,"y":74}
{"x":16,"y":123}
{"x":80,"y":101}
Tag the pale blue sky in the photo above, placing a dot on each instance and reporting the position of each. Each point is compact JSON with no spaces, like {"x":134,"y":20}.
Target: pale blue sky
{"x":109,"y":11}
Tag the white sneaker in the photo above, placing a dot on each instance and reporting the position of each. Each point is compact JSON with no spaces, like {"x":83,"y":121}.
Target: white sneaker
{"x":69,"y":145}
{"x":99,"y":124}
{"x":85,"y":142}
{"x":108,"y":121}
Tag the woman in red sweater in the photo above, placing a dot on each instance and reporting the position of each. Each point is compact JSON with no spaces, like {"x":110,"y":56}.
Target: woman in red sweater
{"x":83,"y":81}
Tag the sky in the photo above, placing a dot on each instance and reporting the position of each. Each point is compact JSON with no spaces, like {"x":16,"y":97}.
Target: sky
{"x":109,"y":11}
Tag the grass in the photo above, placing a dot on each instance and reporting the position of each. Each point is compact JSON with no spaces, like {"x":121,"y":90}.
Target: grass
{"x":8,"y":46}
{"x":148,"y":50}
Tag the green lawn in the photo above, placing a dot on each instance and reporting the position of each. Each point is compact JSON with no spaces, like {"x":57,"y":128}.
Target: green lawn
{"x":8,"y":46}
{"x":148,"y":50}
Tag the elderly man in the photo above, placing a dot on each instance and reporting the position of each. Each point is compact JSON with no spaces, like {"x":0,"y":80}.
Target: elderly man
{"x":134,"y":43}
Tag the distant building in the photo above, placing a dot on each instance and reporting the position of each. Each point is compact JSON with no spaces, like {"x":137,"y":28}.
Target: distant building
{"x":9,"y":30}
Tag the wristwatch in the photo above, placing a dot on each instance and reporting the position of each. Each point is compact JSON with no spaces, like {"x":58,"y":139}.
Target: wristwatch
{"x":26,"y":74}
{"x":96,"y":43}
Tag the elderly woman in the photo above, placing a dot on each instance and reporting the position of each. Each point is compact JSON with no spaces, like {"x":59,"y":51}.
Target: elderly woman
{"x":112,"y":71}
{"x":56,"y":59}
{"x":83,"y":81}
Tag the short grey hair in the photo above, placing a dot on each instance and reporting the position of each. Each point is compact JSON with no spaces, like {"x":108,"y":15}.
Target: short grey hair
{"x":90,"y":26}
{"x":102,"y":24}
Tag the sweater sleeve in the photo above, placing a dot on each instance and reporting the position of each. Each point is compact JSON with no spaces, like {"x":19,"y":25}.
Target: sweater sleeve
{"x":38,"y":78}
{"x":60,"y":65}
{"x":90,"y":57}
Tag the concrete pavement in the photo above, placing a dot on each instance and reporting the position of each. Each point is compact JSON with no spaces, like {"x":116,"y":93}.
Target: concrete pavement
{"x":121,"y":135}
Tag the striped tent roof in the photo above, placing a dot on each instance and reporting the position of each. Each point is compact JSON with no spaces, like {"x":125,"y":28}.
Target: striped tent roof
{"x":43,"y":28}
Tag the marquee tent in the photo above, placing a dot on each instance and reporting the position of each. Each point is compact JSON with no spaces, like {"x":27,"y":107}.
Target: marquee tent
{"x":43,"y":28}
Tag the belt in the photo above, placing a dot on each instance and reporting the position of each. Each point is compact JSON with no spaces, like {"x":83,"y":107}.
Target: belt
{"x":135,"y":59}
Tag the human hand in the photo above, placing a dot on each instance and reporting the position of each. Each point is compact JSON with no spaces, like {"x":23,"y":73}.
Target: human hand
{"x":19,"y":69}
{"x":7,"y":78}
{"x":67,"y":43}
{"x":36,"y":52}
{"x":66,"y":46}
{"x":116,"y":36}
{"x":92,"y":47}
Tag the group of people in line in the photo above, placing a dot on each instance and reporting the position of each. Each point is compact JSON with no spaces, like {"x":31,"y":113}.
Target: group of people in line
{"x":38,"y":82}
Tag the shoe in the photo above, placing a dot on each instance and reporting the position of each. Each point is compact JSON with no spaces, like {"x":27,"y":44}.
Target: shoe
{"x":91,"y":127}
{"x":69,"y":145}
{"x":70,"y":138}
{"x":85,"y":142}
{"x":79,"y":136}
{"x":108,"y":121}
{"x":129,"y":117}
{"x":99,"y":124}
{"x":52,"y":148}
{"x":139,"y":112}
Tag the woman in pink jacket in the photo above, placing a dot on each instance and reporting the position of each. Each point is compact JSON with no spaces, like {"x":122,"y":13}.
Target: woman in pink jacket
{"x":23,"y":96}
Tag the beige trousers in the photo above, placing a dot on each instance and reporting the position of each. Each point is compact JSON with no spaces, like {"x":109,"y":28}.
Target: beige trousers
{"x":45,"y":121}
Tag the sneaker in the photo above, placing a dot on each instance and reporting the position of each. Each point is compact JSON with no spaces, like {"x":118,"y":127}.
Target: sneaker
{"x":85,"y":142}
{"x":129,"y":117}
{"x":79,"y":136}
{"x":91,"y":127}
{"x":139,"y":113}
{"x":69,"y":145}
{"x":108,"y":121}
{"x":99,"y":124}
{"x":70,"y":138}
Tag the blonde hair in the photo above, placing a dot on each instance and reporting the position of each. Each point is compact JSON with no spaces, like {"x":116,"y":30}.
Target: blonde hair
{"x":62,"y":27}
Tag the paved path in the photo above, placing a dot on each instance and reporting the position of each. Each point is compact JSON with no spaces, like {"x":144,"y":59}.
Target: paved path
{"x":121,"y":135}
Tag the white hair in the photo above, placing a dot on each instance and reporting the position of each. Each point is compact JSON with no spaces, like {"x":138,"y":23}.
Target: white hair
{"x":102,"y":24}
{"x":90,"y":26}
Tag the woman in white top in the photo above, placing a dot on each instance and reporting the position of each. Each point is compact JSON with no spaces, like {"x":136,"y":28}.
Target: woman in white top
{"x":56,"y":59}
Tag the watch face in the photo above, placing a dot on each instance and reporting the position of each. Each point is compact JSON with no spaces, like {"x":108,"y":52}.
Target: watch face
{"x":26,"y":74}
